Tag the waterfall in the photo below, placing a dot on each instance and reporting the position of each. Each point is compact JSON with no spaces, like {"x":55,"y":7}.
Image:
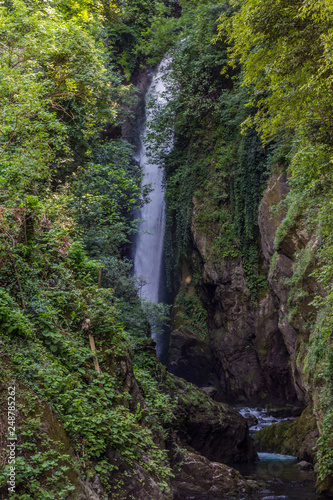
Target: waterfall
{"x":149,"y":241}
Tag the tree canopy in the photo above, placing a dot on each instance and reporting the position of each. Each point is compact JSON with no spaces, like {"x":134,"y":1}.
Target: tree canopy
{"x":285,"y":50}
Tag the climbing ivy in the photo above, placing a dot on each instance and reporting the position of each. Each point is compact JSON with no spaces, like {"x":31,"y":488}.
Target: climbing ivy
{"x":215,"y":176}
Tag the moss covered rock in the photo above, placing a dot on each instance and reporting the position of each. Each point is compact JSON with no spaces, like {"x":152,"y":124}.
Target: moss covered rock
{"x":43,"y":449}
{"x":296,"y":438}
{"x":214,"y":429}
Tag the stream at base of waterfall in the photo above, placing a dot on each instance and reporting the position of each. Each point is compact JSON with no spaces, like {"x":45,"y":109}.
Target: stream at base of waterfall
{"x":279,"y":477}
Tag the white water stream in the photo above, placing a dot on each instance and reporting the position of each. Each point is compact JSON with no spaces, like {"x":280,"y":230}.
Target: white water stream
{"x":149,"y":241}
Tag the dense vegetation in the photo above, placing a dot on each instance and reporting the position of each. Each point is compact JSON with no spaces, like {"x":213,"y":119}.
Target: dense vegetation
{"x":68,"y":188}
{"x":251,"y":89}
{"x":212,"y":164}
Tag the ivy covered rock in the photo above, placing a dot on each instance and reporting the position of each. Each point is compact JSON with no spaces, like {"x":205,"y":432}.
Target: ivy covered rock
{"x":43,"y":449}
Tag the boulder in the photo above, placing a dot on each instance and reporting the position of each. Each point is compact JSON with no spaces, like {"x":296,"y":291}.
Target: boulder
{"x":215,"y":430}
{"x":303,"y":465}
{"x":250,"y":419}
{"x":287,"y":411}
{"x":192,"y":359}
{"x":199,"y":477}
{"x":296,"y":438}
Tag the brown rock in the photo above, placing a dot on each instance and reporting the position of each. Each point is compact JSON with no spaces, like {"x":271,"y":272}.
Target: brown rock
{"x":246,"y":356}
{"x":269,"y":221}
{"x":135,"y":483}
{"x":215,"y":430}
{"x":251,"y":419}
{"x":199,"y":476}
{"x":303,"y":465}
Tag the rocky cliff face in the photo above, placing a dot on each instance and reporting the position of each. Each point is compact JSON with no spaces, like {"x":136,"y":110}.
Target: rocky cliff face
{"x":280,"y":266}
{"x":251,"y":348}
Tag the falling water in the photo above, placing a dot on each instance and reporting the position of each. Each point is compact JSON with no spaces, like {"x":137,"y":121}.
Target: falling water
{"x":148,"y":256}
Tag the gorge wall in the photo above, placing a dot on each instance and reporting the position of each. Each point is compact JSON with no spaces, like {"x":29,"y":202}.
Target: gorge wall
{"x":251,"y":348}
{"x":248,"y":234}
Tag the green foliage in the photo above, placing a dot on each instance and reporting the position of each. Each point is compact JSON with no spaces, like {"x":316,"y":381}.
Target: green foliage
{"x":68,"y":190}
{"x":126,"y":27}
{"x":49,"y":348}
{"x":290,"y":59}
{"x":324,"y":465}
{"x":160,"y":404}
{"x":54,"y":90}
{"x":105,"y":196}
{"x":303,"y":263}
{"x":12,"y":317}
{"x":211,"y":165}
{"x":39,"y":474}
{"x":192,"y":311}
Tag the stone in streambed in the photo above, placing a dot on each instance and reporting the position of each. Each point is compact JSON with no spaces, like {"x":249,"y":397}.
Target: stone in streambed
{"x":303,"y":465}
{"x":251,"y":419}
{"x":287,"y":411}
